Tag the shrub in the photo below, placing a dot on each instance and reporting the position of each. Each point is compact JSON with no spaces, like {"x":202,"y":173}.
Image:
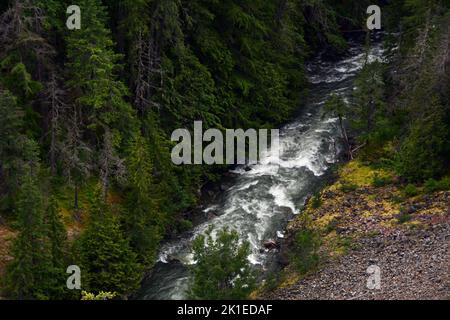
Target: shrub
{"x":403,"y":218}
{"x":184,"y":225}
{"x":432,"y":185}
{"x":348,"y":187}
{"x":411,"y":191}
{"x":316,"y":201}
{"x":379,"y":182}
{"x":304,"y":255}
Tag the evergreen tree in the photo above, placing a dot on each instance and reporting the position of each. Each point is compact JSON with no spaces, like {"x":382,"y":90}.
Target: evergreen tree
{"x":424,"y":153}
{"x":337,"y":106}
{"x":57,"y":240}
{"x":17,"y":151}
{"x":107,"y":261}
{"x":222,"y":270}
{"x":142,"y":220}
{"x":56,"y":233}
{"x":92,"y":64}
{"x":30,"y":274}
{"x":100,"y":105}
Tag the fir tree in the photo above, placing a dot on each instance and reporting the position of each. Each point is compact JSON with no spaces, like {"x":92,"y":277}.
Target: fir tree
{"x":56,"y":235}
{"x":107,"y":261}
{"x":17,"y":152}
{"x":30,"y":274}
{"x":222,"y":270}
{"x":56,"y":232}
{"x":142,"y":219}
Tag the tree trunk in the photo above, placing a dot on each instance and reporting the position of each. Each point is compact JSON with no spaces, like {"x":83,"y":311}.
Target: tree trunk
{"x":345,"y":137}
{"x":75,"y":202}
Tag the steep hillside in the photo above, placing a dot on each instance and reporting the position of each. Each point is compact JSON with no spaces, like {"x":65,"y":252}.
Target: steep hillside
{"x":405,"y":232}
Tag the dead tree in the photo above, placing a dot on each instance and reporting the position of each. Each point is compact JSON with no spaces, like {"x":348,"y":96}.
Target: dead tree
{"x":110,"y":163}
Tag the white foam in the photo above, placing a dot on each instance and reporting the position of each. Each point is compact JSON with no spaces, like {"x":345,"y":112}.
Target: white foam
{"x":248,"y":185}
{"x":281,"y":197}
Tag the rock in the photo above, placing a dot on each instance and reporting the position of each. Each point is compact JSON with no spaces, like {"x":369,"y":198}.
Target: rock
{"x":211,"y":215}
{"x":271,"y":245}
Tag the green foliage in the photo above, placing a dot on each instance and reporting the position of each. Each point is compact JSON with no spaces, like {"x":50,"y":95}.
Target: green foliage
{"x":17,"y":151}
{"x":35,"y":272}
{"x":348,"y":187}
{"x":184,"y":225}
{"x":222,"y":270}
{"x":107,"y":261}
{"x":142,"y":221}
{"x":410,"y":191}
{"x":423,"y":154}
{"x":228,"y":63}
{"x":57,"y":238}
{"x":88,"y":296}
{"x":92,"y":66}
{"x":403,"y":218}
{"x":379,"y":182}
{"x":316,"y":201}
{"x":432,"y":185}
{"x":304,"y":254}
{"x":369,"y":109}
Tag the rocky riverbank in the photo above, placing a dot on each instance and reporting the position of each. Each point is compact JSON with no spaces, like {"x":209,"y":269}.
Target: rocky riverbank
{"x":360,"y":225}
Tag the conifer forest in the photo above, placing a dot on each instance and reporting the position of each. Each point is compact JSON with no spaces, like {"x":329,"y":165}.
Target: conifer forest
{"x":115,"y":182}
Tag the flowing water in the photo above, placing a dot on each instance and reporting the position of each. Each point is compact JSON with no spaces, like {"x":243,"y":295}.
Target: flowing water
{"x":261,"y":201}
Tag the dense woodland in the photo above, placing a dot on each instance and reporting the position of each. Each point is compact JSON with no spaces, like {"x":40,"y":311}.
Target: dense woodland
{"x":86,"y":115}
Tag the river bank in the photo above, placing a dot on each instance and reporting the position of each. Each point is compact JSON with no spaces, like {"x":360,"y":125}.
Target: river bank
{"x":361,"y":225}
{"x":263,"y":198}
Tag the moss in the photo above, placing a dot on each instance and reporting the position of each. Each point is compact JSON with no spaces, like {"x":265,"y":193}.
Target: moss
{"x":357,"y":173}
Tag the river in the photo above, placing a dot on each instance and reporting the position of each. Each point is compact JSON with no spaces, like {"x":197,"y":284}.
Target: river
{"x":261,"y":201}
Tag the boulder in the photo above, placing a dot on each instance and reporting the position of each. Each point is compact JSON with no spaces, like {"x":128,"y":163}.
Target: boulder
{"x":271,"y":245}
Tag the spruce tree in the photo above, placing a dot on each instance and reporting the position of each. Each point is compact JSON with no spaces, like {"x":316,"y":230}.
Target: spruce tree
{"x":222,"y":270}
{"x":107,"y":261}
{"x":30,"y":274}
{"x":17,"y":151}
{"x":57,"y":240}
{"x":92,"y":66}
{"x":142,"y":219}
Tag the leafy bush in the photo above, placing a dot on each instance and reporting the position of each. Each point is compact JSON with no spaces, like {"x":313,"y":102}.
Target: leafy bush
{"x":304,"y":255}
